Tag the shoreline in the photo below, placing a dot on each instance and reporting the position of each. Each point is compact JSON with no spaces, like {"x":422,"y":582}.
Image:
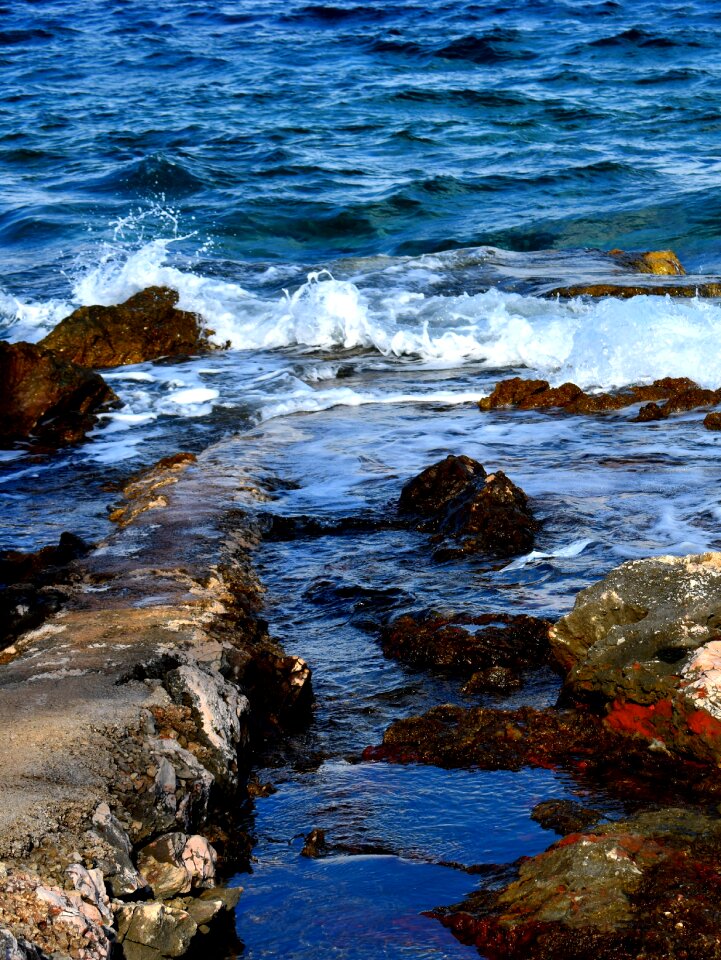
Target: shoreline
{"x":123,"y":723}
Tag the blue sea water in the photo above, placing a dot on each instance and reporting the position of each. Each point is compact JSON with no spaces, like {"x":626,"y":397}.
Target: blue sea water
{"x":366,"y":199}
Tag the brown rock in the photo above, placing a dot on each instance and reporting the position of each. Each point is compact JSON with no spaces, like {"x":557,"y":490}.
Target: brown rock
{"x":564,"y":816}
{"x":515,"y":642}
{"x":145,"y":327}
{"x":658,"y":262}
{"x":457,"y":501}
{"x":45,"y":397}
{"x":712,"y":421}
{"x":709,"y":289}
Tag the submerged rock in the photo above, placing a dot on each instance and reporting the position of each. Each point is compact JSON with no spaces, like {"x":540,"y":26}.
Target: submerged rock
{"x":679,"y":394}
{"x":145,"y":327}
{"x":494,"y":654}
{"x":564,"y":816}
{"x":45,"y":397}
{"x":687,"y":289}
{"x":468,"y":510}
{"x":646,"y":642}
{"x":643,"y":887}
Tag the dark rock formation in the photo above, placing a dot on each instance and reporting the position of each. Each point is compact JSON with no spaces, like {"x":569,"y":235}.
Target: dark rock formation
{"x":564,"y":816}
{"x":34,"y":585}
{"x":45,"y":397}
{"x":477,"y":512}
{"x":492,"y":656}
{"x":643,"y":887}
{"x":678,"y":392}
{"x":145,"y":327}
{"x":712,"y":421}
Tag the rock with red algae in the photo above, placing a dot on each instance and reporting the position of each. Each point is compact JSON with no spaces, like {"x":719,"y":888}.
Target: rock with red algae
{"x":495,"y":652}
{"x":468,"y":510}
{"x":679,"y":393}
{"x":145,"y":327}
{"x":46,"y":398}
{"x":646,"y":642}
{"x":646,"y":887}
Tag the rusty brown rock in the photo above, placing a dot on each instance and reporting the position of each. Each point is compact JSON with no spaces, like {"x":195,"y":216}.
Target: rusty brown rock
{"x":706,"y":289}
{"x":658,"y":262}
{"x":145,"y":327}
{"x":712,"y":421}
{"x":47,"y":398}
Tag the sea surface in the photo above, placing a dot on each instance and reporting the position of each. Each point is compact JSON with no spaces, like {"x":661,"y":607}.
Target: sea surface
{"x":367,"y":200}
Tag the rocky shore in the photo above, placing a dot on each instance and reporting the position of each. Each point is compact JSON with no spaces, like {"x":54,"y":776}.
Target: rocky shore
{"x":128,"y":723}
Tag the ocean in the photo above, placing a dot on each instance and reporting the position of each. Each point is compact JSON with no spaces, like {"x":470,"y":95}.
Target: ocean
{"x":368,"y":202}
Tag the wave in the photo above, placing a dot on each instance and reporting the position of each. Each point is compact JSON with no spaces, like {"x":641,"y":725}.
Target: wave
{"x":399,"y":316}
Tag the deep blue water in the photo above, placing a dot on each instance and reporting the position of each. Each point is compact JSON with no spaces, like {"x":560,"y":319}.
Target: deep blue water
{"x":418,"y":160}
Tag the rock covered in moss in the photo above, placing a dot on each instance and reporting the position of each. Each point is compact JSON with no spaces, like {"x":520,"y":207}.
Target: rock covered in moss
{"x":46,"y":397}
{"x":468,"y":510}
{"x":646,"y":642}
{"x":145,"y":327}
{"x":644,"y":887}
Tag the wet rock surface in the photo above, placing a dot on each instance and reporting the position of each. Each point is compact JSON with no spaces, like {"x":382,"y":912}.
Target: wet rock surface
{"x":145,"y":327}
{"x":119,"y":796}
{"x":467,"y":510}
{"x":491,"y":656}
{"x":643,"y":887}
{"x":646,"y":643}
{"x":687,"y":289}
{"x":33,"y":586}
{"x":678,"y":393}
{"x":47,"y":398}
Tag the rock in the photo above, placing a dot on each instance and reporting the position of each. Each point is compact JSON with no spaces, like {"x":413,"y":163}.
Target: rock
{"x":646,"y":642}
{"x":280,"y":690}
{"x":624,"y":291}
{"x":658,"y":262}
{"x":456,"y":500}
{"x":35,"y":585}
{"x":220,"y":713}
{"x":175,"y":863}
{"x":145,"y":327}
{"x":229,"y":896}
{"x":143,"y":491}
{"x":508,"y":641}
{"x":493,"y":680}
{"x":678,"y":392}
{"x":564,"y":816}
{"x":47,"y":398}
{"x":643,"y":887}
{"x":436,"y":486}
{"x":165,"y":929}
{"x":90,"y":884}
{"x":712,"y":421}
{"x":315,"y":845}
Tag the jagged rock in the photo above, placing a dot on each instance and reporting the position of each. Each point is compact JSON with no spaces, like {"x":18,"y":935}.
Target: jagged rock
{"x":176,"y":862}
{"x":47,"y":398}
{"x":646,"y":641}
{"x":512,"y":641}
{"x":643,"y":887}
{"x":162,"y":928}
{"x":679,"y":393}
{"x":280,"y":690}
{"x":145,"y":327}
{"x":457,"y":501}
{"x":220,"y":712}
